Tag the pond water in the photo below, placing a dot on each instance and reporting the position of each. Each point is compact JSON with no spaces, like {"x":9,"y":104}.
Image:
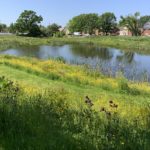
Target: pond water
{"x":110,"y":61}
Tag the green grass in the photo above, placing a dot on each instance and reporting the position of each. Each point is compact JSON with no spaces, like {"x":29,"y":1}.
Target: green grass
{"x":32,"y":83}
{"x":46,"y":120}
{"x":135,"y":44}
{"x":44,"y":107}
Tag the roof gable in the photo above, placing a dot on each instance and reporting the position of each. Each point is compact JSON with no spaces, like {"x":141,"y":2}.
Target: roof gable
{"x":146,"y":26}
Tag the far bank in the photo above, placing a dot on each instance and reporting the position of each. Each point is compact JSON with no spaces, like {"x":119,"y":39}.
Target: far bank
{"x":134,"y":44}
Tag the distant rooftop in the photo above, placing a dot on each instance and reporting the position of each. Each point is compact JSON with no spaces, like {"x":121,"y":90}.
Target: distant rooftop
{"x":146,"y":26}
{"x":4,"y":33}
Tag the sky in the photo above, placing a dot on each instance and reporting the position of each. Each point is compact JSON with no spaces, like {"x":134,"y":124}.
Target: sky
{"x":61,"y":11}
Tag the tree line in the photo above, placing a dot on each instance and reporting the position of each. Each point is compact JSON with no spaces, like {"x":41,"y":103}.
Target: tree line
{"x":29,"y":23}
{"x":107,"y":23}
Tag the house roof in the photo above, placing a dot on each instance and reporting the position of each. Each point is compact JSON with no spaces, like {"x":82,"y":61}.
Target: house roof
{"x":123,"y":28}
{"x":61,"y":29}
{"x":146,"y":26}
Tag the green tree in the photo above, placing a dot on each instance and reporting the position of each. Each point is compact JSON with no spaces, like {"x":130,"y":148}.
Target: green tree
{"x":108,"y":23}
{"x":132,"y":23}
{"x":77,"y":23}
{"x":12,"y":28}
{"x":92,"y":23}
{"x":28,"y":22}
{"x":3,"y":27}
{"x":52,"y":29}
{"x":43,"y":30}
{"x":143,"y":20}
{"x":87,"y":23}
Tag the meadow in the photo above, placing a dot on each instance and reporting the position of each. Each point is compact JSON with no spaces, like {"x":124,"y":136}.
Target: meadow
{"x":48,"y":104}
{"x":134,"y":44}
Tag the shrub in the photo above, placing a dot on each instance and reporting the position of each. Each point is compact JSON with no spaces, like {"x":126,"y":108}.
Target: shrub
{"x":59,"y":34}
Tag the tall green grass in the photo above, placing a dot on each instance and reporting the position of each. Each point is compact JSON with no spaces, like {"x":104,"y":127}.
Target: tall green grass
{"x":47,"y":121}
{"x":135,"y":44}
{"x":73,"y":74}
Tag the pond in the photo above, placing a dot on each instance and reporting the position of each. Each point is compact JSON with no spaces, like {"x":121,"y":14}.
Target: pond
{"x":110,"y":61}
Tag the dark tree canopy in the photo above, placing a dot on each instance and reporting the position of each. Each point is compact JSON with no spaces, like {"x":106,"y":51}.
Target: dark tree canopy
{"x":84,"y":23}
{"x":3,"y":27}
{"x":108,"y":23}
{"x":92,"y":23}
{"x":77,"y":23}
{"x":12,"y":28}
{"x":52,"y":29}
{"x":28,"y":22}
{"x":144,"y":20}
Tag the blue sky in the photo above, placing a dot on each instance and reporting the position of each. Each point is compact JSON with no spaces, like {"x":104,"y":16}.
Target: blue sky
{"x":60,"y":11}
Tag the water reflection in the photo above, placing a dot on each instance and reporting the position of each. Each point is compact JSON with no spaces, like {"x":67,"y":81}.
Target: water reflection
{"x":91,"y":51}
{"x":106,"y":59}
{"x":127,"y":57}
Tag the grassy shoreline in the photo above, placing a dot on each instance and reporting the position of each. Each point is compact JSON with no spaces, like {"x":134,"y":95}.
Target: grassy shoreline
{"x":42,"y":105}
{"x":134,"y":44}
{"x":49,"y":107}
{"x":77,"y":78}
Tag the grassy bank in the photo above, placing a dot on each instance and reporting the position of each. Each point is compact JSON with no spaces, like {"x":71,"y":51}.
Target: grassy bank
{"x":134,"y":44}
{"x":46,"y":121}
{"x":137,"y":44}
{"x":45,"y":108}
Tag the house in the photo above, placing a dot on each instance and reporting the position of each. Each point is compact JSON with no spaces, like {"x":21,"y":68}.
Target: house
{"x":146,"y":29}
{"x":123,"y":31}
{"x":5,"y":33}
{"x":65,"y":30}
{"x":77,"y":33}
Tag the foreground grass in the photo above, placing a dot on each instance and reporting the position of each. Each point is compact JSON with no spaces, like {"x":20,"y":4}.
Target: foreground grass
{"x":47,"y":121}
{"x":47,"y":110}
{"x":80,"y":75}
{"x":137,"y":44}
{"x":35,"y":75}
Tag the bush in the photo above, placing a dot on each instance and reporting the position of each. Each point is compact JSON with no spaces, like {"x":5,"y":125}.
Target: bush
{"x":59,"y":34}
